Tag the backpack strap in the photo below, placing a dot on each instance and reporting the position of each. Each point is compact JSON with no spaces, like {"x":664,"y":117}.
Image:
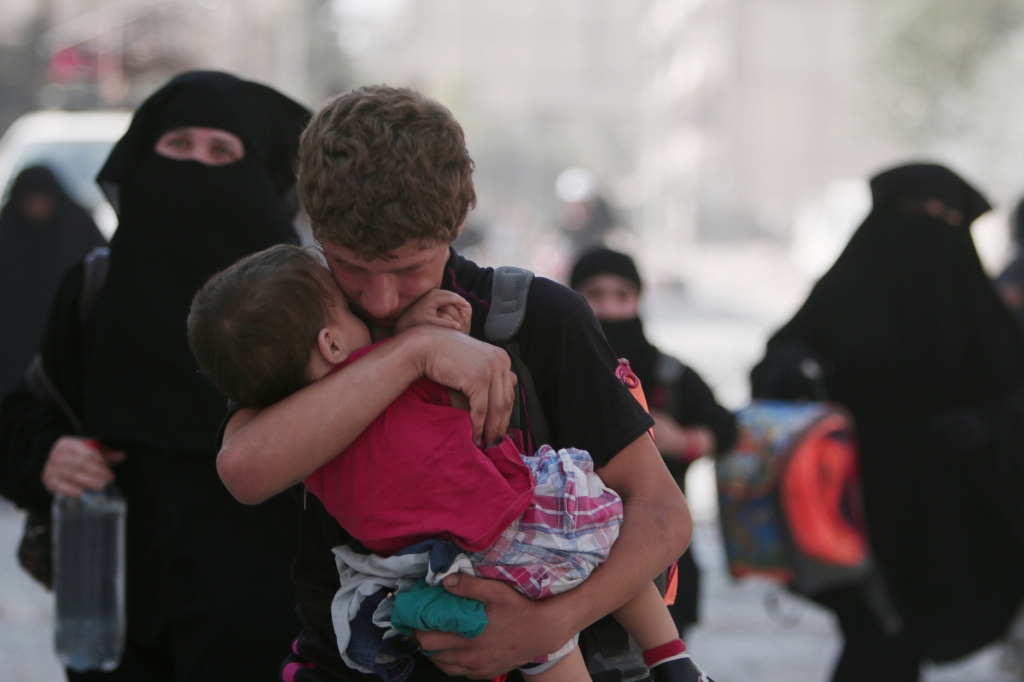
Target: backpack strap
{"x":42,"y":389}
{"x":668,"y":370}
{"x":510,"y":289}
{"x":97,"y":264}
{"x":39,"y":384}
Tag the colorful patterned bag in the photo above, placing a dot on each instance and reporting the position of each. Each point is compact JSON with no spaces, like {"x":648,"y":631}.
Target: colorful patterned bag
{"x":789,"y":497}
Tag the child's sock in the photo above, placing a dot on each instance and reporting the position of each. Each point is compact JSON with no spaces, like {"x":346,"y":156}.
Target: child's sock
{"x":664,"y":653}
{"x":670,"y":663}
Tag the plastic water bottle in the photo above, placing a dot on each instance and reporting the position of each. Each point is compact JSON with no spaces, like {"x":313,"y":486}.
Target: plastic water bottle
{"x":88,"y":579}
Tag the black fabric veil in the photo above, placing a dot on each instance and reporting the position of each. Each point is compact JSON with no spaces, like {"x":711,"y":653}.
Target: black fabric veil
{"x":33,"y":257}
{"x":180,"y":222}
{"x":917,"y":341}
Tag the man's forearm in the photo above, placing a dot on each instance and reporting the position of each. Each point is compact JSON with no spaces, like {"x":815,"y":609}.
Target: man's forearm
{"x":268,"y":451}
{"x":655,"y":532}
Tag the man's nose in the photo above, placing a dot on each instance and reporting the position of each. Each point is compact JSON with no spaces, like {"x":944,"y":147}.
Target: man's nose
{"x":380,"y":298}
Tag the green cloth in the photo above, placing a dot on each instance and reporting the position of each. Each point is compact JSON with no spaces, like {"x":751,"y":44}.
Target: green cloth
{"x":433,"y":608}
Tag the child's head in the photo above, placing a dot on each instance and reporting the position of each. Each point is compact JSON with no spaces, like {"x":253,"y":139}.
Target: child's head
{"x":270,"y":324}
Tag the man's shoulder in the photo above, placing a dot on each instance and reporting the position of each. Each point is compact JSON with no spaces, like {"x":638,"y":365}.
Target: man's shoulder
{"x":552,"y":303}
{"x":547,"y":303}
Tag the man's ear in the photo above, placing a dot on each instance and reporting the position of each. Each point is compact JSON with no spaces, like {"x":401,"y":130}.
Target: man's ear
{"x":331,"y":348}
{"x":459,"y":229}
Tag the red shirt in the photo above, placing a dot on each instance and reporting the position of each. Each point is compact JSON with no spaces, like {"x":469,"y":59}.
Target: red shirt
{"x":415,"y":474}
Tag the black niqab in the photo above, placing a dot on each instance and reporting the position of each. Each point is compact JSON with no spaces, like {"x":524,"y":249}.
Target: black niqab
{"x":912,"y":331}
{"x":181,"y":222}
{"x":34,"y":254}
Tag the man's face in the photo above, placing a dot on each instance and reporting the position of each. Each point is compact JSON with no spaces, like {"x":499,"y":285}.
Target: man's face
{"x":381,"y":289}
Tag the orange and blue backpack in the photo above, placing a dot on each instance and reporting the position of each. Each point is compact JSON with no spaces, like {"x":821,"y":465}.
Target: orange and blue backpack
{"x":789,"y":497}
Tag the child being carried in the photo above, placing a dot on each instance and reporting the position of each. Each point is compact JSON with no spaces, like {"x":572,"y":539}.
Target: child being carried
{"x":422,"y":500}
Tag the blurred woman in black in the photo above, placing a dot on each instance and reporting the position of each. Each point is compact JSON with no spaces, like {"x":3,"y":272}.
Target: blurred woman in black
{"x":201,"y":178}
{"x":43,"y":232}
{"x":916,"y":343}
{"x":688,"y":422}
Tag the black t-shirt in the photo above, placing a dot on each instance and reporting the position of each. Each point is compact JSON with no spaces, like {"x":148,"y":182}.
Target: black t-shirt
{"x":586,"y":407}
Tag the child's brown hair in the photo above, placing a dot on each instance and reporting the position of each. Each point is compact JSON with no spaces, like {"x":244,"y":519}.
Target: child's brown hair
{"x":253,"y":326}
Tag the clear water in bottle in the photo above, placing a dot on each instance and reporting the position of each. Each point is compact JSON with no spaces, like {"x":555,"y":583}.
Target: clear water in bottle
{"x":88,"y":579}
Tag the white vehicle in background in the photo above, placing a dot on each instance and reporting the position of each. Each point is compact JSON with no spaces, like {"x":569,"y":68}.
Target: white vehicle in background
{"x":74,"y":145}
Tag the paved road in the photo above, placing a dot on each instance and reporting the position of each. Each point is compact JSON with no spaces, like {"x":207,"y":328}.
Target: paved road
{"x":26,"y":613}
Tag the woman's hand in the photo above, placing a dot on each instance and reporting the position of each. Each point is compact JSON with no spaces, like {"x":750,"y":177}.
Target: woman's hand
{"x":75,"y":465}
{"x":685,"y":443}
{"x":440,"y":308}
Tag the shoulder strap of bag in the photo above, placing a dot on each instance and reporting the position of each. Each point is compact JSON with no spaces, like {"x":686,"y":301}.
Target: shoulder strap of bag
{"x":668,"y":370}
{"x":510,"y":289}
{"x":96,"y":265}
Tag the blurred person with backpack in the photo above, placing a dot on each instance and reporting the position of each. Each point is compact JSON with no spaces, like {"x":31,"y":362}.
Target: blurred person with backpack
{"x":910,"y":336}
{"x":688,"y":421}
{"x":201,"y":178}
{"x":43,"y":232}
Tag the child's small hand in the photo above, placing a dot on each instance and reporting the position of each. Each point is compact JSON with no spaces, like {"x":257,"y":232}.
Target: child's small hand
{"x":439,"y":308}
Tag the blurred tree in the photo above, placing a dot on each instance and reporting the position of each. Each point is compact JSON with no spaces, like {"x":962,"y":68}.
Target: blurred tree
{"x":924,"y":57}
{"x":22,"y":73}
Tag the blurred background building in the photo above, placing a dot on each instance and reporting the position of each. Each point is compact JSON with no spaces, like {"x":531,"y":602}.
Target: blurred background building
{"x":725,"y":143}
{"x":700,"y":120}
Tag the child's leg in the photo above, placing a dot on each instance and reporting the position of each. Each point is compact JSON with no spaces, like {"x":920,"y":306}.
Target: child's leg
{"x":569,"y":668}
{"x":646,"y":618}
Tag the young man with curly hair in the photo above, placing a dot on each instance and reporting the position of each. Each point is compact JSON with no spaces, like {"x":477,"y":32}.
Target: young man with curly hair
{"x":387,"y":182}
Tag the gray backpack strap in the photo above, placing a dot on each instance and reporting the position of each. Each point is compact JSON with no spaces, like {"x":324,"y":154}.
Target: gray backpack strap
{"x":509,"y":290}
{"x":43,"y":390}
{"x":668,"y":370}
{"x":96,"y":265}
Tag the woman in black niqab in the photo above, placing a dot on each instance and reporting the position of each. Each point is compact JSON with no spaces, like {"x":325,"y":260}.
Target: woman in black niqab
{"x":920,"y":349}
{"x":181,"y":222}
{"x":43,"y":232}
{"x":208,"y":591}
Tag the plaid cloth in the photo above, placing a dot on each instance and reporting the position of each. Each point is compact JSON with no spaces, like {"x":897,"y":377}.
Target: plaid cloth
{"x":565,"y":532}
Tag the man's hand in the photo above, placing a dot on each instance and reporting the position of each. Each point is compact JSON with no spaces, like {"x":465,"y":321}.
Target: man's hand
{"x":440,"y":308}
{"x":75,"y":465}
{"x":518,"y":630}
{"x":481,"y":371}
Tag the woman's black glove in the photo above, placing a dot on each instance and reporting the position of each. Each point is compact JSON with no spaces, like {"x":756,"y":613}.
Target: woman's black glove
{"x":955,"y":433}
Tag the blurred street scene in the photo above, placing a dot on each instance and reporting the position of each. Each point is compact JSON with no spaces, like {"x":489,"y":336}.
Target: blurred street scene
{"x":750,"y":631}
{"x":725,"y":144}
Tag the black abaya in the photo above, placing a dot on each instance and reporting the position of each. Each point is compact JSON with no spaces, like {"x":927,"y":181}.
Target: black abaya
{"x":925,"y":356}
{"x":209,"y":595}
{"x":34,"y":254}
